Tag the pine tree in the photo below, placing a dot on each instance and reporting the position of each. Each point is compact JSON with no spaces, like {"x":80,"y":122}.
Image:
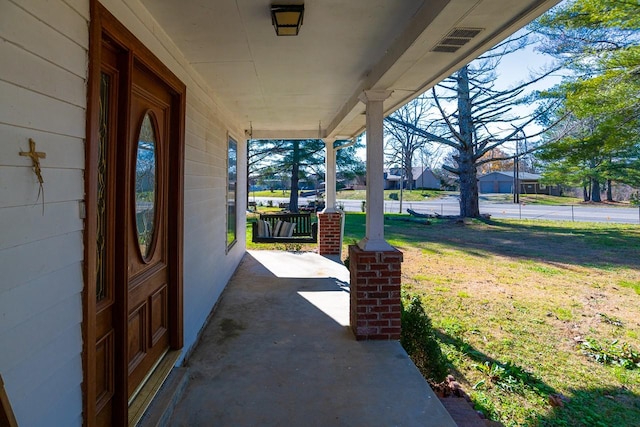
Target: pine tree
{"x":599,"y":42}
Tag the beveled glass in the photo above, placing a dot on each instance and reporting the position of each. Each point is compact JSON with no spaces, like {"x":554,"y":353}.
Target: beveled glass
{"x":146,"y":185}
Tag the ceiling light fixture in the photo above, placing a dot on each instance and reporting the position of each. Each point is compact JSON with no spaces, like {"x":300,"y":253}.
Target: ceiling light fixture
{"x":287,"y":19}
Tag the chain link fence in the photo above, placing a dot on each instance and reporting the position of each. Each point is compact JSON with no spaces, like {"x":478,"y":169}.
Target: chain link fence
{"x":587,"y":213}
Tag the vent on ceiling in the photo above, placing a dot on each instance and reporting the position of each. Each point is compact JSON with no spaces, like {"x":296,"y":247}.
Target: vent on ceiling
{"x":456,"y":38}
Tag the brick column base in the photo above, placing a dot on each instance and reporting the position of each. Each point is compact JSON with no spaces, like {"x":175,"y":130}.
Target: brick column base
{"x":330,"y":227}
{"x":375,"y":294}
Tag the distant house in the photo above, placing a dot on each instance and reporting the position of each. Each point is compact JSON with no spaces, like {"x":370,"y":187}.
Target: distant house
{"x":392,"y":179}
{"x":422,"y":178}
{"x":350,"y":181}
{"x":503,"y":181}
{"x":425,"y":178}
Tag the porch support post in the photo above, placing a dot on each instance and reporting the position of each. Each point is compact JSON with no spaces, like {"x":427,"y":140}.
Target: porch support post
{"x":374,"y":235}
{"x":375,"y":266}
{"x":330,"y":219}
{"x":330,"y":176}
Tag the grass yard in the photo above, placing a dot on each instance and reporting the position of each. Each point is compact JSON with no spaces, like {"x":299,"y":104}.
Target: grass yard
{"x":270,"y":193}
{"x":430,"y":195}
{"x":543,"y":199}
{"x":525,"y":308}
{"x":407,"y":195}
{"x":527,"y":311}
{"x":532,"y":199}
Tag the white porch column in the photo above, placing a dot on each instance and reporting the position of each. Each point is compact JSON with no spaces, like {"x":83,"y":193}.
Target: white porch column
{"x":374,"y":237}
{"x":330,"y":176}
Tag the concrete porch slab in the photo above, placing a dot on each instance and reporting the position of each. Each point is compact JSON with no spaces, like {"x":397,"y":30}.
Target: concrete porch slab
{"x":278,"y":352}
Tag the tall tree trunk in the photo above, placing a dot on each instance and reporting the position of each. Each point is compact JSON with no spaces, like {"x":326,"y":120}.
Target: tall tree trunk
{"x":595,"y":191}
{"x":402,"y":178}
{"x":469,"y":207}
{"x":585,"y":194}
{"x":408,"y":171}
{"x":466,"y":164}
{"x":609,"y":191}
{"x":295,"y":171}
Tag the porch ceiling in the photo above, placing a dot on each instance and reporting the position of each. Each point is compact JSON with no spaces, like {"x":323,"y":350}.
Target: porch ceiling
{"x":308,"y":86}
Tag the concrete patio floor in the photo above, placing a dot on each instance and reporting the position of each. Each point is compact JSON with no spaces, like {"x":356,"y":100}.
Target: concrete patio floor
{"x":278,"y":351}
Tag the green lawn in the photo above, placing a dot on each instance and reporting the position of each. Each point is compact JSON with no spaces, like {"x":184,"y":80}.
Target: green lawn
{"x":524,"y":309}
{"x":532,"y":199}
{"x":407,"y":195}
{"x":269,"y":193}
{"x":425,"y":195}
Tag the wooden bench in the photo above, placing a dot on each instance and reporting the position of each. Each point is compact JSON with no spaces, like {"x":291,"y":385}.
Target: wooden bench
{"x":304,"y":232}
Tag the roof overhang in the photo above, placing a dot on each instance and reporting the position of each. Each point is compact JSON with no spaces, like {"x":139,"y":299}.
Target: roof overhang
{"x":308,"y":86}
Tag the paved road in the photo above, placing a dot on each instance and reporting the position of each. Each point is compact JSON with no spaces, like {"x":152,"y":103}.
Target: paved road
{"x":450,"y":206}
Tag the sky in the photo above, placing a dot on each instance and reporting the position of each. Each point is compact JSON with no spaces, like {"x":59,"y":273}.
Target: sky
{"x":517,"y":67}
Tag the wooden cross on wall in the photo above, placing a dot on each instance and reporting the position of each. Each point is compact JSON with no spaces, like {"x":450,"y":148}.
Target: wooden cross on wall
{"x":35,"y":158}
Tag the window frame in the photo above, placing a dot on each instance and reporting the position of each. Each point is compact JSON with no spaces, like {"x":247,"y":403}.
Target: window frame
{"x":231,"y":201}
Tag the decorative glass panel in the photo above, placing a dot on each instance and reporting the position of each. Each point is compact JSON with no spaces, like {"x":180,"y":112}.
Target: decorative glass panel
{"x":232,"y":176}
{"x":101,"y":223}
{"x":146,"y":185}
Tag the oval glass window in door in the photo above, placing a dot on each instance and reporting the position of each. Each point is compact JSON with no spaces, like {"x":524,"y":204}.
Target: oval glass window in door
{"x":146,"y":184}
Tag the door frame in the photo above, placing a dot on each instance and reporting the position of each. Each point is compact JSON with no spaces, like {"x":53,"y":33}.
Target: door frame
{"x":104,"y":23}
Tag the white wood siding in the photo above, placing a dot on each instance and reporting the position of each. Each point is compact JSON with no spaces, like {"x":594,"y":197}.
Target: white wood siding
{"x":43,"y":96}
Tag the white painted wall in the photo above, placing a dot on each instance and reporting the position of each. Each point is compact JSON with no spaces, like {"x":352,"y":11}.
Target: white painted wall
{"x":43,"y":46}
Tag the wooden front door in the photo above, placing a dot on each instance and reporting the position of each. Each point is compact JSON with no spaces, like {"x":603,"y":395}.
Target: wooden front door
{"x":144,"y":224}
{"x":134,"y":195}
